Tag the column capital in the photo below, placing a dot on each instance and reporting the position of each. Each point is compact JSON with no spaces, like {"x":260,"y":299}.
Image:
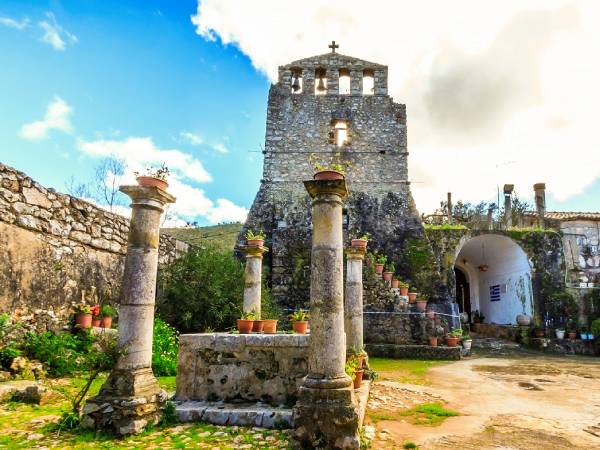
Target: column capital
{"x":320,"y":187}
{"x":250,"y":251}
{"x":150,"y":196}
{"x":356,"y":252}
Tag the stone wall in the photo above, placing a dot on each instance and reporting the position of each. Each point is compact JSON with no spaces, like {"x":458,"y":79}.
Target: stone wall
{"x":54,"y":246}
{"x":246,"y":367}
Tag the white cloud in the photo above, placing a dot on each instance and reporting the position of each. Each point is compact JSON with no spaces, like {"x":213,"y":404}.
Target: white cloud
{"x":138,"y":153}
{"x":220,"y":148}
{"x":57,"y":117}
{"x":13,"y":23}
{"x":141,"y":152}
{"x":192,"y":138}
{"x":54,"y":34}
{"x":496,"y":92}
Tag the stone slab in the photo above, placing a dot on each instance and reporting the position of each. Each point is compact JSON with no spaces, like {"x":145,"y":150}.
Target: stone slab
{"x":414,"y":351}
{"x":219,"y":413}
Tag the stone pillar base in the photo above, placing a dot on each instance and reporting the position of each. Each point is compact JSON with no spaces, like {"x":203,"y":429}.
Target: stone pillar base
{"x":127,"y":403}
{"x":326,"y":419}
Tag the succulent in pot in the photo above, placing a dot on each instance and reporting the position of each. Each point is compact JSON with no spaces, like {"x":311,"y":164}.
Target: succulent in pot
{"x":299,"y":320}
{"x":255,"y":239}
{"x":357,"y":352}
{"x":389,"y":272}
{"x":453,"y":337}
{"x":246,"y":323}
{"x":403,"y":288}
{"x":154,"y":177}
{"x":329,"y":169}
{"x":354,"y":371}
{"x":380,"y":264}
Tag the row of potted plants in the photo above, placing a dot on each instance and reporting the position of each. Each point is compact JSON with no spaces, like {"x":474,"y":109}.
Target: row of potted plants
{"x":451,"y":338}
{"x":87,"y":316}
{"x":250,"y":323}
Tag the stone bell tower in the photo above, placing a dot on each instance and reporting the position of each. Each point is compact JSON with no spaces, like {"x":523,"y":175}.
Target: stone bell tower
{"x":326,"y":105}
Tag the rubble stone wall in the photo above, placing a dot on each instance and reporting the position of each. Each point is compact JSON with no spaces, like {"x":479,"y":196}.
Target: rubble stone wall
{"x":54,"y":246}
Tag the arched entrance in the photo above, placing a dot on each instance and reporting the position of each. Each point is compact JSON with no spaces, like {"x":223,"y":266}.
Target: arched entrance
{"x":494,"y":274}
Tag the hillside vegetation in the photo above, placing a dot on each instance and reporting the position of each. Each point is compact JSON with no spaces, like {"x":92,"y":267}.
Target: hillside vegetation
{"x":220,"y":236}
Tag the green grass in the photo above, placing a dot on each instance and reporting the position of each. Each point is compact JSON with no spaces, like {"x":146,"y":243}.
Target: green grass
{"x":167,"y":383}
{"x":221,"y":236}
{"x":413,"y":371}
{"x":431,"y":414}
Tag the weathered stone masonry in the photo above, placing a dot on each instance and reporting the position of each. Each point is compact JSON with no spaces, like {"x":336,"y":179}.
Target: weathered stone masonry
{"x":53,"y":245}
{"x":299,"y":124}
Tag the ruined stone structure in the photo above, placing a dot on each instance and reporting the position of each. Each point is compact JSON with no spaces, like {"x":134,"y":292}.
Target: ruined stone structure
{"x":324,"y":105}
{"x":53,"y":246}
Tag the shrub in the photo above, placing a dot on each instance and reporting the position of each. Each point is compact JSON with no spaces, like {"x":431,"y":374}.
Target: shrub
{"x":595,"y":328}
{"x":62,"y":354}
{"x":7,"y":354}
{"x":202,"y":290}
{"x":165,"y":344}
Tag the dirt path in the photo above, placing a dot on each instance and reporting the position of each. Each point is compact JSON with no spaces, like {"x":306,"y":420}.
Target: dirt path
{"x":520,"y":402}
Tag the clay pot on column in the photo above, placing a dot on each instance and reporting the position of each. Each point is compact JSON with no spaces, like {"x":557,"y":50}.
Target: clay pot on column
{"x":154,"y":178}
{"x":328,"y":175}
{"x":360,"y":243}
{"x":255,"y":239}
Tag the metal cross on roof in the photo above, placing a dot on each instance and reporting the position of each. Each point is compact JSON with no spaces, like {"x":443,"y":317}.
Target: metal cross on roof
{"x":333,"y":46}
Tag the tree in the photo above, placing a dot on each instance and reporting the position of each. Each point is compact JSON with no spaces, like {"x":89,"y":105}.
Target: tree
{"x":106,"y":182}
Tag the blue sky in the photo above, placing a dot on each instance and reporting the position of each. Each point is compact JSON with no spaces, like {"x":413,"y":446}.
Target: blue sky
{"x":81,"y":80}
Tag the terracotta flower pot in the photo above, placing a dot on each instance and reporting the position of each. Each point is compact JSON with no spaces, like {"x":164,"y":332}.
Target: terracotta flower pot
{"x":412,"y":297}
{"x":328,"y":175}
{"x":83,"y":320}
{"x":431,"y":314}
{"x":152,"y":182}
{"x":106,"y":322}
{"x":404,"y":291}
{"x":358,"y":376}
{"x":245,"y":326}
{"x":523,"y":320}
{"x":395,"y":283}
{"x":256,"y":242}
{"x":387,"y":276}
{"x":433,"y":341}
{"x":270,"y":326}
{"x":359,"y":243}
{"x":96,"y":322}
{"x":258,"y":326}
{"x":452,"y":341}
{"x":300,"y":327}
{"x":379,"y":268}
{"x":572,"y":334}
{"x":421,"y":305}
{"x":539,"y":333}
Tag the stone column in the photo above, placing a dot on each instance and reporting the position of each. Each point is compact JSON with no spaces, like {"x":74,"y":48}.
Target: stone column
{"x":326,"y":414}
{"x":508,"y":190}
{"x":449,"y":208}
{"x":353,"y":301}
{"x":540,"y":202}
{"x":131,"y":398}
{"x":253,"y":278}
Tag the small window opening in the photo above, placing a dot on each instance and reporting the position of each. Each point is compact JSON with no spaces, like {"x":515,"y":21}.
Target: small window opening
{"x":320,"y":82}
{"x":297,"y":82}
{"x":341,"y":133}
{"x":344,"y":82}
{"x":368,"y":82}
{"x":345,"y":221}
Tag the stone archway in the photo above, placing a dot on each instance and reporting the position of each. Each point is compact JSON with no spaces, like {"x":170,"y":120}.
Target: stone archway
{"x":499,"y":276}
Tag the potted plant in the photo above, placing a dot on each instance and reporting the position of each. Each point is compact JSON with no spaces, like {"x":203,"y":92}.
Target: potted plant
{"x":433,"y":341}
{"x":245,"y":323}
{"x":329,"y":170}
{"x":403,"y":288}
{"x":560,"y":333}
{"x":258,"y":325}
{"x":380,"y":263}
{"x":358,"y":353}
{"x":422,"y":303}
{"x":299,"y":320}
{"x":270,"y":325}
{"x":538,"y":331}
{"x":108,"y":313}
{"x":453,"y":337}
{"x":361,"y":241}
{"x":154,"y":177}
{"x":523,"y":320}
{"x":412,"y":296}
{"x":96,"y":319}
{"x":354,"y":371}
{"x":255,"y":239}
{"x":467,"y":342}
{"x":395,"y":283}
{"x":571,"y":329}
{"x":389,"y":273}
{"x":83,"y":316}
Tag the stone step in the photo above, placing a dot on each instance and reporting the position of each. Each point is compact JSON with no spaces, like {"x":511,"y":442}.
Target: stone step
{"x":219,"y":413}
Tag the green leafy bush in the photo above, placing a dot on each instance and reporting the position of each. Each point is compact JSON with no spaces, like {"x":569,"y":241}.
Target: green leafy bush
{"x":595,"y":328}
{"x":203,"y":290}
{"x":165,"y":344}
{"x":62,"y":354}
{"x":7,"y":354}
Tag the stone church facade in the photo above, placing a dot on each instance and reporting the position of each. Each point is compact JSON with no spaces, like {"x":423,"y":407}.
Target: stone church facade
{"x":324,"y":106}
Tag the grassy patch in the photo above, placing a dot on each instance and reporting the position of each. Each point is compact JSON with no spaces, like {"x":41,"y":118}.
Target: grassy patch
{"x":167,"y":383}
{"x":413,"y":371}
{"x":431,"y":414}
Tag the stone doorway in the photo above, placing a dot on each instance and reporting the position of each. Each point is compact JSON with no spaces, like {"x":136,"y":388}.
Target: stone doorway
{"x":497,"y":273}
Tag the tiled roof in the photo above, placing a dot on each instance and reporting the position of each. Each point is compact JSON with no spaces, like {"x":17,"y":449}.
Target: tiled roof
{"x":568,"y":215}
